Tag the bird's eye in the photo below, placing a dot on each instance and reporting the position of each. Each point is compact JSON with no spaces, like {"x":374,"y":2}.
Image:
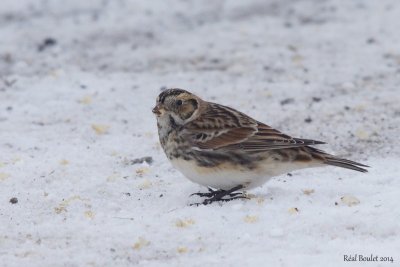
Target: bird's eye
{"x":179,"y":102}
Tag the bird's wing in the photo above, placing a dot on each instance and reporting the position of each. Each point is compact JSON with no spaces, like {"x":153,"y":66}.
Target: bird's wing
{"x":221,"y":127}
{"x":267,"y":138}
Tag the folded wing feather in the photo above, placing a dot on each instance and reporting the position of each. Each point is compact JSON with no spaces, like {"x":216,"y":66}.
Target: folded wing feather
{"x":222,"y":127}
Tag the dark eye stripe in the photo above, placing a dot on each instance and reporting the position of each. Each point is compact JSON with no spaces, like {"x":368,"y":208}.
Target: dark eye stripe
{"x":194,"y":103}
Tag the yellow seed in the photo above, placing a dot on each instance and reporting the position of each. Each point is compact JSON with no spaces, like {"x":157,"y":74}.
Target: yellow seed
{"x":62,"y":207}
{"x":350,"y":200}
{"x":260,"y":200}
{"x":308,"y":191}
{"x":184,"y":223}
{"x":297,"y":58}
{"x":145,"y":184}
{"x":182,"y":249}
{"x":64,"y":162}
{"x":3,"y":176}
{"x":141,"y":243}
{"x":113,"y":177}
{"x":251,"y":218}
{"x":89,"y":214}
{"x":100,"y":128}
{"x":86,"y":100}
{"x":293,"y":210}
{"x":362,"y":134}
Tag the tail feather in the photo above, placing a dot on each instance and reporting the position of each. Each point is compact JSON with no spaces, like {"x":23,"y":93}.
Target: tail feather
{"x":348,"y":164}
{"x":338,"y":162}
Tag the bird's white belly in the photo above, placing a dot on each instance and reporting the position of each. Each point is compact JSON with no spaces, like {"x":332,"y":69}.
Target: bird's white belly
{"x":224,"y":176}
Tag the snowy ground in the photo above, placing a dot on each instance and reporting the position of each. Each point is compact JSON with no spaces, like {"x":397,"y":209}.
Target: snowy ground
{"x":78,"y":80}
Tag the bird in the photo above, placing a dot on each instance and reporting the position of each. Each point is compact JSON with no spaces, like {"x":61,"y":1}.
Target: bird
{"x":226,"y":150}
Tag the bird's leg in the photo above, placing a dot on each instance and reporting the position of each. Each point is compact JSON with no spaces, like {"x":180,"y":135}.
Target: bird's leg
{"x":218,"y":195}
{"x":211,"y":193}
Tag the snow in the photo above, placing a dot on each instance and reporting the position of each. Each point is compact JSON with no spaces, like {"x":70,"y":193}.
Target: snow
{"x":75,"y":110}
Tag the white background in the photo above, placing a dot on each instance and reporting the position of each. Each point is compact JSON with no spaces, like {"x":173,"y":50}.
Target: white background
{"x":73,"y":116}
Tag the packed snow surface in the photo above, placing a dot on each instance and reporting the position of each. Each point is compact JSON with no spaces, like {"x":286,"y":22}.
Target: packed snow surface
{"x":78,"y":80}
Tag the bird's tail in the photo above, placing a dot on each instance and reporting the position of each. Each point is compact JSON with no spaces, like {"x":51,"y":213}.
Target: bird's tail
{"x":344,"y":163}
{"x":338,"y":162}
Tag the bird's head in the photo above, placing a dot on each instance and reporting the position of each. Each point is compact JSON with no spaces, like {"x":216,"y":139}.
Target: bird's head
{"x":182,"y":105}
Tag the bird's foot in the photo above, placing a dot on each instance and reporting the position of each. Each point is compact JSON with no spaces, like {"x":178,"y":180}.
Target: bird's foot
{"x":212,"y":200}
{"x":220,"y":195}
{"x":212,"y":193}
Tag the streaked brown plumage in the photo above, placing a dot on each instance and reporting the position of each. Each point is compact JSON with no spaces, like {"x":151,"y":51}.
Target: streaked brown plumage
{"x":220,"y":147}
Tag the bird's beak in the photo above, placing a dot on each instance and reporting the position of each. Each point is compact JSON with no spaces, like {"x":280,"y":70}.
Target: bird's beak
{"x":156,"y":110}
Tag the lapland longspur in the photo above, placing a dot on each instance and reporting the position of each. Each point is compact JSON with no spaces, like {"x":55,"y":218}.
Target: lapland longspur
{"x":225,"y":150}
